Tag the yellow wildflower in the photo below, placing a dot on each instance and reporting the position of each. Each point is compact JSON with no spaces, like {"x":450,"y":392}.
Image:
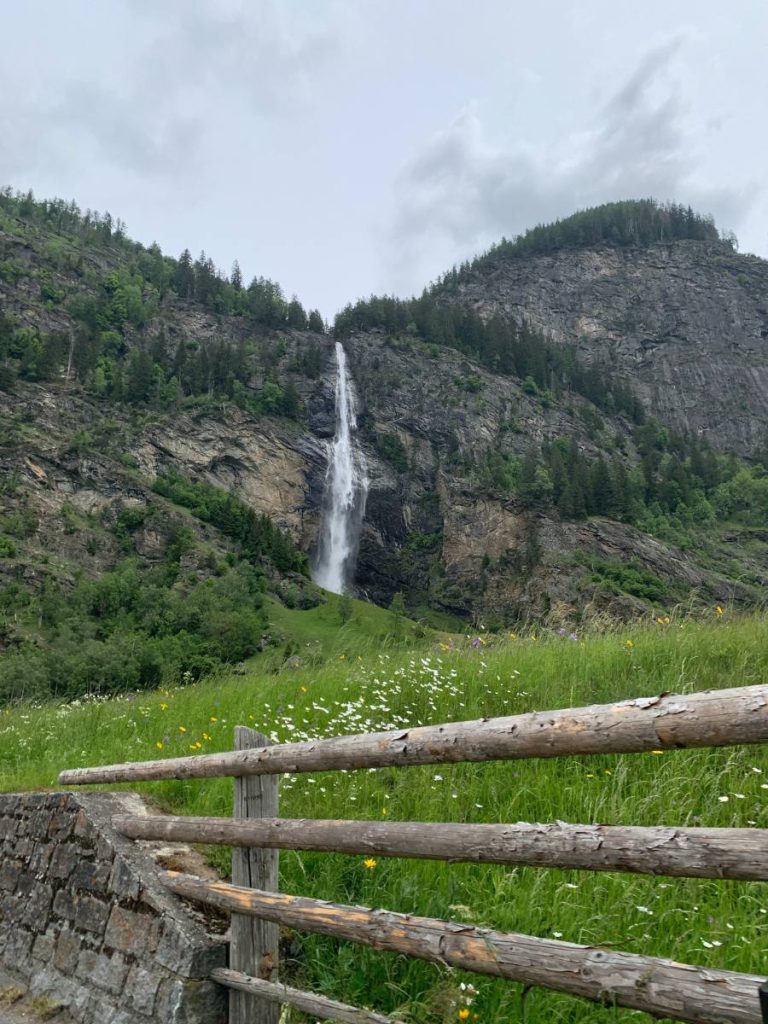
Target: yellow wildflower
{"x":159,"y":745}
{"x":182,"y":728}
{"x":463,"y":1014}
{"x":630,"y":644}
{"x":719,"y":610}
{"x":369,"y":863}
{"x":383,"y":810}
{"x":206,"y":736}
{"x":163,"y":707}
{"x":213,"y":718}
{"x":657,"y":751}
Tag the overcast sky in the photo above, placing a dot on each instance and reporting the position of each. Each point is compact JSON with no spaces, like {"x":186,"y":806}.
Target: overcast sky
{"x":344,"y":147}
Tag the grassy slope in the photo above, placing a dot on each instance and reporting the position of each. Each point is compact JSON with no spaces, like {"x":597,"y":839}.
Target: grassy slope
{"x":349,"y":683}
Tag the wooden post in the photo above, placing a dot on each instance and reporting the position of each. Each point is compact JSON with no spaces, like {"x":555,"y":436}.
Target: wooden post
{"x":254,"y":943}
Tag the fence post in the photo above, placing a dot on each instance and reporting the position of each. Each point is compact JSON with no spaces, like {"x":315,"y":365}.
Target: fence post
{"x":254,"y":943}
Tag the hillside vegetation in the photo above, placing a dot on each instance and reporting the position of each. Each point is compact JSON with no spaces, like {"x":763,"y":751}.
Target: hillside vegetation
{"x":164,"y":429}
{"x":349,"y":678}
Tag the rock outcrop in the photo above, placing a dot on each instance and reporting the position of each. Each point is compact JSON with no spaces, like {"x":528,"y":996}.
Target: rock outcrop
{"x":684,"y":323}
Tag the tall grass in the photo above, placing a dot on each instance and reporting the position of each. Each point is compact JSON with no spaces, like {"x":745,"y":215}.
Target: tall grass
{"x":354,"y":686}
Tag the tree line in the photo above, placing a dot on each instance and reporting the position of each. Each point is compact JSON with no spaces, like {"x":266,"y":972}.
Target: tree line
{"x":199,"y":280}
{"x":677,"y":486}
{"x":630,"y":222}
{"x":502,"y":346}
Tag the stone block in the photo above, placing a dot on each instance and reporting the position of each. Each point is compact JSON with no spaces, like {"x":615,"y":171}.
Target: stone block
{"x":101,"y":1010}
{"x":131,"y":933}
{"x":124,"y":882}
{"x":16,"y":954}
{"x":192,"y":1002}
{"x":108,"y":973}
{"x":78,"y":1004}
{"x":64,"y":904}
{"x":14,"y":910}
{"x":62,"y":824}
{"x":91,"y":876}
{"x":83,"y":828}
{"x":7,"y":828}
{"x":68,"y":946}
{"x":104,"y":849}
{"x":25,"y":884}
{"x":10,"y":871}
{"x":23,"y":849}
{"x":44,"y":947}
{"x":38,"y":907}
{"x":39,"y":824}
{"x":182,"y":956}
{"x":141,"y":989}
{"x":64,"y":860}
{"x":91,"y":914}
{"x":41,"y":856}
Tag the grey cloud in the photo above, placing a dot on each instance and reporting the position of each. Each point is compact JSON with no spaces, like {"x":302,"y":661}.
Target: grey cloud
{"x":184,"y":69}
{"x":463,"y":191}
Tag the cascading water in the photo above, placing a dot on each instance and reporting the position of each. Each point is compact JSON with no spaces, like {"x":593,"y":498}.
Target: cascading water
{"x":346,"y":490}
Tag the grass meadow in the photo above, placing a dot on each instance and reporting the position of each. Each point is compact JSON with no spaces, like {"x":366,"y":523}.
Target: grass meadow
{"x":356,"y":678}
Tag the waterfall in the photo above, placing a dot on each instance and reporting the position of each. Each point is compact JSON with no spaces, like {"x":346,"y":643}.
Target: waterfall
{"x":346,"y":489}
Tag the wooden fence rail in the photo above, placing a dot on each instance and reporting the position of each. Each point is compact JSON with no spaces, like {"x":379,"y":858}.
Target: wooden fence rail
{"x":687,"y":852}
{"x":660,"y":987}
{"x":715,"y":718}
{"x":316,"y":1006}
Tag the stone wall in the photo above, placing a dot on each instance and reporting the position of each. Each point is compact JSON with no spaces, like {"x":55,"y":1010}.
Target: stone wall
{"x":86,"y":923}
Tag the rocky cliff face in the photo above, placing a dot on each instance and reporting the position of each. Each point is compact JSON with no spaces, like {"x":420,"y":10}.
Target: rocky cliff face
{"x":684,"y":323}
{"x":436,"y":529}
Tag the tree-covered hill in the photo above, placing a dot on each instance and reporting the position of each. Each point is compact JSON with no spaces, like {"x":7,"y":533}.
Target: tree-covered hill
{"x":165,"y":428}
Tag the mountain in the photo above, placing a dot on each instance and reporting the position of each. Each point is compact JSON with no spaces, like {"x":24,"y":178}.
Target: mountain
{"x":569,"y":427}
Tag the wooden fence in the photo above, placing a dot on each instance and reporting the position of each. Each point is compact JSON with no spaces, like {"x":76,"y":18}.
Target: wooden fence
{"x":660,"y":987}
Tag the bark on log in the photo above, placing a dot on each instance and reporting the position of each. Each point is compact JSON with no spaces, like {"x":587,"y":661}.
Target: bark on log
{"x":254,"y":943}
{"x":714,"y":718}
{"x":686,"y":852}
{"x":661,"y":987}
{"x":315,"y":1005}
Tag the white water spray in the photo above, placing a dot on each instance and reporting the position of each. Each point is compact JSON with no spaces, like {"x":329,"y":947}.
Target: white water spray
{"x":346,"y":490}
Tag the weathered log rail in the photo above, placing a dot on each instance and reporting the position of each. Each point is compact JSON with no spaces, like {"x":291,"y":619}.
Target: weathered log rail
{"x":740,"y":853}
{"x":715,"y":718}
{"x":660,"y":987}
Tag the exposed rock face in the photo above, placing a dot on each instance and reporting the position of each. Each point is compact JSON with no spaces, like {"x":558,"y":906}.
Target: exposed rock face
{"x":685,"y":323}
{"x":433,"y":526}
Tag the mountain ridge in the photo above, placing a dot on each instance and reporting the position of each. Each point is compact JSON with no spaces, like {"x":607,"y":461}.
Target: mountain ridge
{"x":539,"y":492}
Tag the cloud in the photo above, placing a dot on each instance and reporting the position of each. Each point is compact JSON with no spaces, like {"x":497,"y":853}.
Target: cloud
{"x":464,"y":190}
{"x":182,"y":72}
